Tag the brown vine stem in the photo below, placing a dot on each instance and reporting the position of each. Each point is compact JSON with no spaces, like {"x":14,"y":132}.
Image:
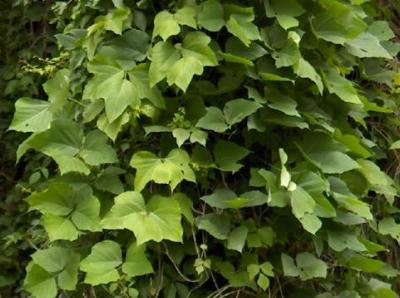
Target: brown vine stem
{"x":177,"y":268}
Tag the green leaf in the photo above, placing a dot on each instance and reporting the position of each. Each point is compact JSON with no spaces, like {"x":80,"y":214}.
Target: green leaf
{"x":263,"y":281}
{"x":237,"y":110}
{"x":310,"y":267}
{"x":338,"y":22}
{"x":285,"y":13}
{"x":169,"y":170}
{"x":340,"y":86}
{"x":39,"y":282}
{"x":213,"y":120}
{"x":110,"y":84}
{"x":388,"y":226}
{"x":367,"y":45}
{"x":237,"y":238}
{"x":217,"y":225}
{"x":288,"y":266}
{"x":305,"y":70}
{"x":63,"y":263}
{"x":165,"y":25}
{"x":225,"y":198}
{"x":211,"y":15}
{"x":326,"y":154}
{"x":227,"y":154}
{"x":163,"y":57}
{"x":112,"y":129}
{"x":340,"y":240}
{"x":395,"y":145}
{"x":100,"y":265}
{"x":182,"y":72}
{"x":180,"y":63}
{"x":136,"y":262}
{"x":31,"y":115}
{"x":63,"y":142}
{"x":115,"y":20}
{"x":57,"y":89}
{"x":240,"y":23}
{"x":287,"y":56}
{"x":311,"y":223}
{"x":302,"y":203}
{"x":159,"y":219}
{"x":95,"y":150}
{"x":59,"y":228}
{"x":73,"y":209}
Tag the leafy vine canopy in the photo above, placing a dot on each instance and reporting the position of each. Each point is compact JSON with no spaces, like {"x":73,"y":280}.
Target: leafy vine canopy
{"x":215,"y":148}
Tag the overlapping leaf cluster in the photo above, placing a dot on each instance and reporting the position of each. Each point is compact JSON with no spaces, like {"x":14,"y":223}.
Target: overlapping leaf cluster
{"x":215,"y":148}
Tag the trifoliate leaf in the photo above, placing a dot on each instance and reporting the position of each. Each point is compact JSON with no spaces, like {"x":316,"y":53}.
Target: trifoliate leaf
{"x":159,"y":219}
{"x":73,"y":209}
{"x":169,"y":170}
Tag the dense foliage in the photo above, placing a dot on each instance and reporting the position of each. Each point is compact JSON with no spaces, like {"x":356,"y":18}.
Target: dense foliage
{"x":199,"y":148}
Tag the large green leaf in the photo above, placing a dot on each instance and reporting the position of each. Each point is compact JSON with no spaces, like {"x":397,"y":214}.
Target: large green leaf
{"x":52,"y":267}
{"x":159,"y":219}
{"x":67,"y":210}
{"x":65,"y":143}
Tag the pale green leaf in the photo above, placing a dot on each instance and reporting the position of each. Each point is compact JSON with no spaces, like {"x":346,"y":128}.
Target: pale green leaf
{"x":310,"y":267}
{"x":165,"y":25}
{"x":169,"y":170}
{"x":31,"y":115}
{"x":100,"y":265}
